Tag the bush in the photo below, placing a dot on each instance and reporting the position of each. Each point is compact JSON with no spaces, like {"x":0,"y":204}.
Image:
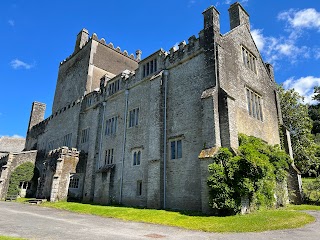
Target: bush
{"x":311,"y":190}
{"x":252,"y":174}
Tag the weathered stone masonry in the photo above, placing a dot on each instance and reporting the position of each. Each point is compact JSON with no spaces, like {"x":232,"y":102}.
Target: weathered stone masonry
{"x":146,"y":129}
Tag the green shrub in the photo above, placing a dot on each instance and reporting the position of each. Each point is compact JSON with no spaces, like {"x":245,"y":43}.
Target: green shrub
{"x":22,"y":173}
{"x":252,"y":174}
{"x":311,"y":190}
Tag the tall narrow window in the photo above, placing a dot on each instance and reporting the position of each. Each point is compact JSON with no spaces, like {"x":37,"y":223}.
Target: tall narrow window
{"x":136,"y":157}
{"x":149,"y":67}
{"x":111,"y":126}
{"x":176,"y":149}
{"x":134,"y":117}
{"x":254,"y":103}
{"x":84,"y":135}
{"x":249,"y":59}
{"x":109,"y":156}
{"x":67,"y":140}
{"x":139,"y":187}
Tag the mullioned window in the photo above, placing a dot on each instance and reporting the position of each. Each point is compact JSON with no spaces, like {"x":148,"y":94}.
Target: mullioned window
{"x":249,"y":59}
{"x":254,"y":104}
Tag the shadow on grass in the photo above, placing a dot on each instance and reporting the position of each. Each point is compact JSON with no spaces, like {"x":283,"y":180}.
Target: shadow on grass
{"x":182,"y":212}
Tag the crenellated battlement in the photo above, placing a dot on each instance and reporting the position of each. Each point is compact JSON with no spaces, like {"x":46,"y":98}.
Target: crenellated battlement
{"x":184,"y":50}
{"x":81,"y":43}
{"x":62,"y":152}
{"x":117,"y":49}
{"x":40,"y":127}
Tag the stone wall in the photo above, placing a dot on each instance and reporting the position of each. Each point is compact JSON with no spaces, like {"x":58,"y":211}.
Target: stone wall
{"x":9,"y":163}
{"x":11,"y":144}
{"x":55,"y":171}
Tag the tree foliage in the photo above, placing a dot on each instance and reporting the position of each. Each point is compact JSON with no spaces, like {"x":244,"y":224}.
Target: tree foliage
{"x":22,"y":173}
{"x":296,"y":118}
{"x":253,"y":174}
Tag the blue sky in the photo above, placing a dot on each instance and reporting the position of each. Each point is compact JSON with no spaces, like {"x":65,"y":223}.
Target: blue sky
{"x":37,"y":35}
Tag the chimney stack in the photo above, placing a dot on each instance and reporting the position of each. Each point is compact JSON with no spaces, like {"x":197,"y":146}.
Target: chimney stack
{"x":211,"y":19}
{"x":138,"y":55}
{"x":238,"y":16}
{"x":82,"y":39}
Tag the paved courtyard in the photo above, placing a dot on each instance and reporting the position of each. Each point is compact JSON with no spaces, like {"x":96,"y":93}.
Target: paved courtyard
{"x":33,"y":222}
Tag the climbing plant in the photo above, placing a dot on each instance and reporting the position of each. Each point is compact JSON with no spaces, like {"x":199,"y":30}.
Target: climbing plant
{"x":22,"y":173}
{"x":253,"y":174}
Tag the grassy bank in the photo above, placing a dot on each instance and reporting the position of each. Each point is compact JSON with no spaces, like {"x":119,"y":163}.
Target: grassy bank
{"x":256,"y":222}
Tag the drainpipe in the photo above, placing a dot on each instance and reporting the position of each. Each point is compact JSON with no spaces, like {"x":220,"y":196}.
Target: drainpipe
{"x":124,"y":142}
{"x":101,"y":134}
{"x":165,"y":79}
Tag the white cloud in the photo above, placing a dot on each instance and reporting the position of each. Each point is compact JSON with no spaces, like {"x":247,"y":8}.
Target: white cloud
{"x":191,"y":2}
{"x":275,"y":49}
{"x":258,"y":38}
{"x":317,"y":53}
{"x":304,"y":86}
{"x":16,"y":64}
{"x":305,"y":18}
{"x":11,"y":23}
{"x":13,"y":136}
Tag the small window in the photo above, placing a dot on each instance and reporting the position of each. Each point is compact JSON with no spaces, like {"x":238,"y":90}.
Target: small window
{"x":176,"y":149}
{"x":134,"y":117}
{"x":74,"y":182}
{"x":109,"y":157}
{"x":249,"y":59}
{"x":136,"y":157}
{"x":139,"y":188}
{"x":149,"y":68}
{"x":67,"y":140}
{"x":84,"y":135}
{"x":254,"y":104}
{"x":114,"y":87}
{"x":111,"y":126}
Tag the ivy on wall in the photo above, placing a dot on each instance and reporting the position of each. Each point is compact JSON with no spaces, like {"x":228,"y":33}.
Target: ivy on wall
{"x":254,"y":173}
{"x":22,"y":173}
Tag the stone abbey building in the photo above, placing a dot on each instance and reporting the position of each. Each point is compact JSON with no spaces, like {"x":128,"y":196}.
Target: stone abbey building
{"x":142,"y":132}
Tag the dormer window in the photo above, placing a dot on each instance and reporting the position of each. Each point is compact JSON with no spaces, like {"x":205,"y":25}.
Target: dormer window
{"x":149,"y":67}
{"x":249,"y":59}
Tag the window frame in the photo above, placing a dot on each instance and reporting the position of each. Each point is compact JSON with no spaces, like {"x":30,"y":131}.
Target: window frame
{"x":175,"y":148}
{"x":111,"y":126}
{"x":74,"y":182}
{"x":136,"y":157}
{"x":139,"y":188}
{"x":254,"y":104}
{"x":84,"y":137}
{"x":109,"y":156}
{"x":249,"y":59}
{"x":133,"y":119}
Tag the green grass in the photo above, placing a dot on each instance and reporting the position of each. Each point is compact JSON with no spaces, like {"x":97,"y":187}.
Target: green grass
{"x":10,"y":238}
{"x":304,"y":207}
{"x":255,"y":222}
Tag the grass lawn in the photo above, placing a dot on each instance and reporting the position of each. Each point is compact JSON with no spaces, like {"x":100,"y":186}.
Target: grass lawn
{"x":255,"y":222}
{"x":10,"y":238}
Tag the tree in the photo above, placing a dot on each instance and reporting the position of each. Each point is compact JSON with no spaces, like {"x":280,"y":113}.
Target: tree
{"x":317,"y":94}
{"x":314,"y":113}
{"x":296,"y":119}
